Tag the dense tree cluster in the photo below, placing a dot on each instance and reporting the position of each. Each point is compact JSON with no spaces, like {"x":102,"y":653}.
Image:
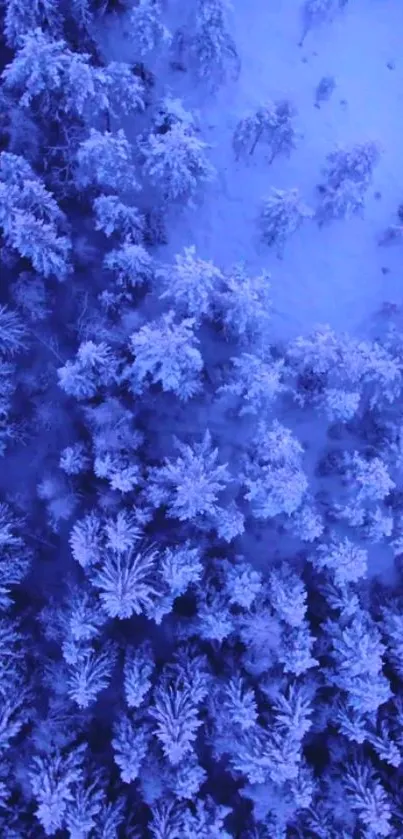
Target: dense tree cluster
{"x":191,"y":645}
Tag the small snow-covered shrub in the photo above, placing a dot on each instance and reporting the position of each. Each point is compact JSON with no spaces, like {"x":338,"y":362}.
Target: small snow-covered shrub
{"x":281,"y":215}
{"x":324,"y":90}
{"x":171,"y":111}
{"x":392,"y":235}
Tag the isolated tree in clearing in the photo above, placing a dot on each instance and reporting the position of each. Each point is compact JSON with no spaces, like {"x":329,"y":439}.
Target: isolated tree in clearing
{"x":212,"y":48}
{"x":271,"y":124}
{"x":355,"y":163}
{"x":315,"y":12}
{"x":349,"y":174}
{"x":281,"y":215}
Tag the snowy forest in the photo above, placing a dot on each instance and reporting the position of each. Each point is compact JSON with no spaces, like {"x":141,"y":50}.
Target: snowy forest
{"x":201,"y":435}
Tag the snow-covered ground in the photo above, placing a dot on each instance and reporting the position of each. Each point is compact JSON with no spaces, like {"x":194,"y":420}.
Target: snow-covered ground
{"x":333,"y":275}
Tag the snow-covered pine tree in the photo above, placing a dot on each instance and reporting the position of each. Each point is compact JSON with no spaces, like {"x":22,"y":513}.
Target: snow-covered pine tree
{"x":346,"y":561}
{"x":24,"y":16}
{"x":126,"y":581}
{"x":256,"y":382}
{"x":131,"y":265}
{"x":130,"y":745}
{"x":176,"y":163}
{"x":94,"y":367}
{"x":271,"y":125}
{"x":52,"y":777}
{"x":341,"y":202}
{"x":114,"y":217}
{"x":45,"y":75}
{"x":244,"y":307}
{"x":146,"y":29}
{"x":282,"y":213}
{"x":176,"y":715}
{"x":348,"y":176}
{"x":191,"y":284}
{"x":30,"y":216}
{"x":368,"y":798}
{"x":105,"y":160}
{"x":315,"y":12}
{"x":273,"y":477}
{"x":190,"y":484}
{"x":166,"y":354}
{"x":212,"y":49}
{"x":138,"y":667}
